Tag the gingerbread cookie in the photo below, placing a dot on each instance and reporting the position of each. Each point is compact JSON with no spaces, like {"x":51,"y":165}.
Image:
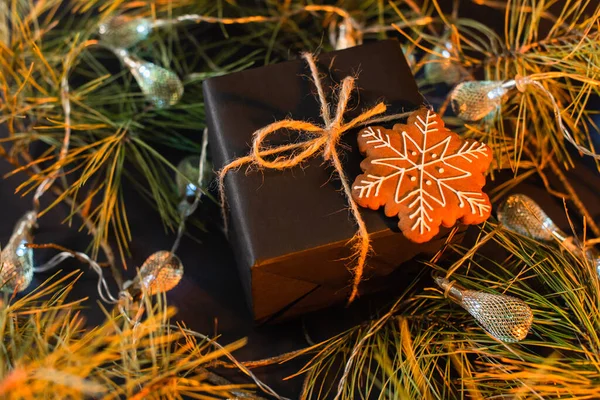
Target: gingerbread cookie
{"x":423,"y":173}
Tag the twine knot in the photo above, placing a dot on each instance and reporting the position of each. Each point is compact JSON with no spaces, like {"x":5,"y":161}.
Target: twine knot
{"x":333,"y":134}
{"x":319,"y":139}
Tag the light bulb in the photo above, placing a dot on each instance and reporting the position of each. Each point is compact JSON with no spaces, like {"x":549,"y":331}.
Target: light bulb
{"x":504,"y":317}
{"x":161,"y":272}
{"x":160,"y":86}
{"x":474,"y":100}
{"x":521,"y":214}
{"x":189,"y":176}
{"x":444,"y":69}
{"x":16,"y":271}
{"x":124,"y":32}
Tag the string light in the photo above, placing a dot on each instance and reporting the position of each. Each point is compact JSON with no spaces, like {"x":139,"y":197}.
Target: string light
{"x":504,"y":317}
{"x":444,"y":69}
{"x":192,"y":180}
{"x":163,"y":88}
{"x":473,"y":101}
{"x":189,"y":175}
{"x":124,"y":32}
{"x":16,"y":271}
{"x":160,"y":273}
{"x":522,"y":215}
{"x":160,"y":86}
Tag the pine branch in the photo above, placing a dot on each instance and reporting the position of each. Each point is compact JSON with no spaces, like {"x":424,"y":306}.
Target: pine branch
{"x":425,"y":347}
{"x":48,"y":354}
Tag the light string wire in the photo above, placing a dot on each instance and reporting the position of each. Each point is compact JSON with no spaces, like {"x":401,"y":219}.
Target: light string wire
{"x":53,"y":175}
{"x":521,"y":82}
{"x":265,"y":388}
{"x":200,"y":191}
{"x":102,"y":286}
{"x":103,"y":289}
{"x":66,"y":105}
{"x":125,"y":298}
{"x":579,"y":248}
{"x":197,"y":18}
{"x":357,"y":31}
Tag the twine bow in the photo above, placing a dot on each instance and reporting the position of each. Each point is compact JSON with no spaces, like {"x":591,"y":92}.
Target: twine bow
{"x":321,"y":139}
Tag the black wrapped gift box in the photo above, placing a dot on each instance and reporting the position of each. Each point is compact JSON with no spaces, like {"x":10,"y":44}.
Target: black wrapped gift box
{"x":290,"y":229}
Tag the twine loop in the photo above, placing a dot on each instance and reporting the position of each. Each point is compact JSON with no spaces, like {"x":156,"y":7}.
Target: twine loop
{"x":319,"y":139}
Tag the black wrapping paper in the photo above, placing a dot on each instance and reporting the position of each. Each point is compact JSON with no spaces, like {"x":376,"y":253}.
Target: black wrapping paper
{"x":290,"y":229}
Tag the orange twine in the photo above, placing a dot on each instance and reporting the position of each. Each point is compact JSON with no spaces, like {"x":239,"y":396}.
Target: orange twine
{"x":321,"y":139}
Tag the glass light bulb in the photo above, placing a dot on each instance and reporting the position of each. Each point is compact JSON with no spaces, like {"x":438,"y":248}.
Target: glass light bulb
{"x":505,"y":317}
{"x":160,"y":86}
{"x":16,"y":271}
{"x":444,"y":69}
{"x":474,"y":100}
{"x":124,"y":32}
{"x":187,"y":179}
{"x":521,"y":214}
{"x":161,"y":272}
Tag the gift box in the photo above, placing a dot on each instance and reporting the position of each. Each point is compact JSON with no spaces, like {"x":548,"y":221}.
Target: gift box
{"x":290,"y":229}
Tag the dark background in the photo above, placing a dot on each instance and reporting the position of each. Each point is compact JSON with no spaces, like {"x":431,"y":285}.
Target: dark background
{"x":210,"y":298}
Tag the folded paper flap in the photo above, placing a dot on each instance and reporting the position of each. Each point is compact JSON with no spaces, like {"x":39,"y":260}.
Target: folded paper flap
{"x":248,"y":100}
{"x":325,"y":266}
{"x":269,"y":297}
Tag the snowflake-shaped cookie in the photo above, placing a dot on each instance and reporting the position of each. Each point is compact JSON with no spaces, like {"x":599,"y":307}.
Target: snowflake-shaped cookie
{"x":423,"y":173}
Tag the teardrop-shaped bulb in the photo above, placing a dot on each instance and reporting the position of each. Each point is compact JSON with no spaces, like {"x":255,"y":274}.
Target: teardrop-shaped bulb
{"x":124,"y":32}
{"x":160,"y":86}
{"x":16,"y":271}
{"x":474,"y":100}
{"x":161,"y":272}
{"x":505,"y":317}
{"x":443,"y":69}
{"x":189,"y":176}
{"x":521,"y":214}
